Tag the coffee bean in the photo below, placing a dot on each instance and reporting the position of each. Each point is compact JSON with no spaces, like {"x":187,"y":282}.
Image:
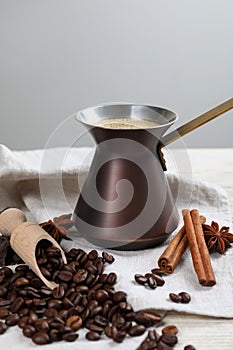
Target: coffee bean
{"x":93,"y":254}
{"x":67,"y":304}
{"x":45,"y":272}
{"x":158,"y":272}
{"x":159,"y":280}
{"x":83,"y":289}
{"x":93,"y":336}
{"x":108,"y":331}
{"x":36,"y":283}
{"x":140,"y":319}
{"x":118,"y":320}
{"x":12,"y":320}
{"x":185,"y":297}
{"x":41,"y":325}
{"x":126,"y":327}
{"x":3,"y":327}
{"x":74,"y":322}
{"x":189,"y":347}
{"x":70,"y":337}
{"x":95,"y":328}
{"x":152,"y":282}
{"x":108,"y":257}
{"x":55,"y":304}
{"x":153,"y":335}
{"x":58,"y":292}
{"x":45,"y":291}
{"x":90,"y":268}
{"x":32,"y":318}
{"x":119,"y":297}
{"x":65,"y":276}
{"x":140,"y":279}
{"x":137,"y":330}
{"x":40,"y":338}
{"x":169,"y":339}
{"x":112,"y":278}
{"x":130,"y":316}
{"x":163,"y":346}
{"x":99,"y":266}
{"x":100,"y":321}
{"x":101,"y":295}
{"x":148,"y":345}
{"x":175,"y":297}
{"x":3,"y":291}
{"x":125,"y":307}
{"x":8,"y":272}
{"x":80,"y":276}
{"x":23,"y":312}
{"x":23,"y":321}
{"x":21,"y":282}
{"x":39,"y":303}
{"x":117,"y":335}
{"x":55,"y":335}
{"x":28,"y":331}
{"x":153,"y":316}
{"x":42,"y":261}
{"x":171,"y":329}
{"x":112,"y":311}
{"x":5,"y":302}
{"x":90,"y":279}
{"x":4,"y":312}
{"x":106,"y":308}
{"x":2,"y":277}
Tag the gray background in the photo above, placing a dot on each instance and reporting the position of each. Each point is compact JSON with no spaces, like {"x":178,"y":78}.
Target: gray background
{"x":57,"y":57}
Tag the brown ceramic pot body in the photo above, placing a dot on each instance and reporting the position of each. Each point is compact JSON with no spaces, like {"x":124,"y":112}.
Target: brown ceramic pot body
{"x":125,"y":202}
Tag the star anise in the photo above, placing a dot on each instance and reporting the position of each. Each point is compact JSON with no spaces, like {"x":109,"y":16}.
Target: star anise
{"x":217,"y":239}
{"x":59,"y":226}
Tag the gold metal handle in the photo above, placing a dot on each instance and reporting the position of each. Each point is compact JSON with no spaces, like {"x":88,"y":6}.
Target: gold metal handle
{"x":199,"y":121}
{"x":192,"y":125}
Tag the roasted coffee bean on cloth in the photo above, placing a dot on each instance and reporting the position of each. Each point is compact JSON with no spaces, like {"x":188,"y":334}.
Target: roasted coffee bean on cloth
{"x":85,"y":298}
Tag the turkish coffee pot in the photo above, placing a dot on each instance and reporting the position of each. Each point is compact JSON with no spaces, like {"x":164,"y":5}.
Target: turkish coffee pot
{"x":125,"y":202}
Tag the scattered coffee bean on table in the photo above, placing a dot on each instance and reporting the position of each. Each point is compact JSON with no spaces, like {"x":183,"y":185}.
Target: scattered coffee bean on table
{"x":152,"y":279}
{"x":185,"y":297}
{"x":189,"y":347}
{"x":175,"y":297}
{"x":170,"y":329}
{"x":182,"y":297}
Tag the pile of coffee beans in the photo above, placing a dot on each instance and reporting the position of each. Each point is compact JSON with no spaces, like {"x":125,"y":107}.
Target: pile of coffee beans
{"x":152,"y":279}
{"x":84,"y":298}
{"x":182,"y":297}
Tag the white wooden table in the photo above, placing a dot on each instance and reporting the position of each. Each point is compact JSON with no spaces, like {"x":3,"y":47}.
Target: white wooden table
{"x":214,"y":166}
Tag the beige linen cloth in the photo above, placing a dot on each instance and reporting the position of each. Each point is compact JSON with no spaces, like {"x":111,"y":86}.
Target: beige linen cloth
{"x":46,"y":184}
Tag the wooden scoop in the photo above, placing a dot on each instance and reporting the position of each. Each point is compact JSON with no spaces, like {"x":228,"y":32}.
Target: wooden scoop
{"x":24,"y":237}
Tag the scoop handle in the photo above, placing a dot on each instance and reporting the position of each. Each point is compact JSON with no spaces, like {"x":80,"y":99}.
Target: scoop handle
{"x":10,"y":219}
{"x":197,"y":122}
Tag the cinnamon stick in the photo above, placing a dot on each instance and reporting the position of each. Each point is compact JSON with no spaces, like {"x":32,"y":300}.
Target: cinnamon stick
{"x":172,"y":254}
{"x":198,"y":249}
{"x":174,"y":251}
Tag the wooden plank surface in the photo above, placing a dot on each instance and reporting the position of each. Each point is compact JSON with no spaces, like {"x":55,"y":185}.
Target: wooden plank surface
{"x":205,"y":333}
